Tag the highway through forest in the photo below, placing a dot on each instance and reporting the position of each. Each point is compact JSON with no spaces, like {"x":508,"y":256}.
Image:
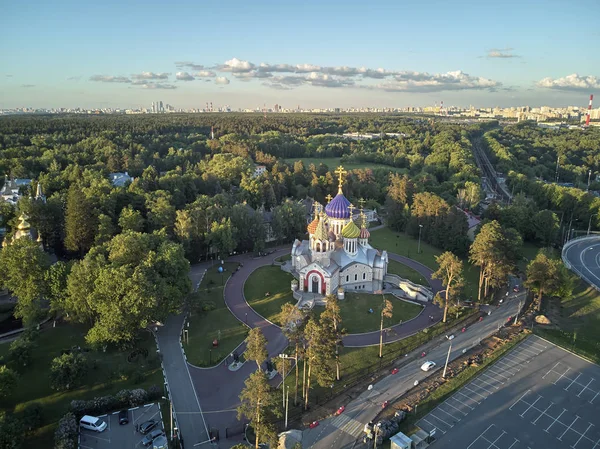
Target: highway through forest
{"x":346,"y":430}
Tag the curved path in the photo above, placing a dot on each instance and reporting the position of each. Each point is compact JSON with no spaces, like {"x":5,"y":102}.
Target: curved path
{"x":218,"y":388}
{"x":583,"y":257}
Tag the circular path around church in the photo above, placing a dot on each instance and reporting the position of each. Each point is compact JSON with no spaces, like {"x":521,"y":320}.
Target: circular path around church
{"x":218,"y":388}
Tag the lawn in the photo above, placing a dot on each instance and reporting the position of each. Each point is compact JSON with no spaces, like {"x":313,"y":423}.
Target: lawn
{"x":578,"y":322}
{"x":357,"y":319}
{"x":334,"y":162}
{"x":284,"y":258}
{"x":406,"y":272}
{"x":400,"y":243}
{"x":111,"y":373}
{"x":219,"y":324}
{"x":275,"y":282}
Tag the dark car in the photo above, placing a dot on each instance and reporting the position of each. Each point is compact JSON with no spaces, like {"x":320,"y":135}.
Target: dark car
{"x":123,"y":417}
{"x":148,"y":439}
{"x":147,"y":426}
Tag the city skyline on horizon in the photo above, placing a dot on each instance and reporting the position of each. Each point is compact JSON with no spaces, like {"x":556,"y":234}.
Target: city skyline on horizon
{"x":114,"y":55}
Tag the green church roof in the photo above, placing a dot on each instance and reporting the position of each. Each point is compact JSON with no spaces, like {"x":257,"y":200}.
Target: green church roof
{"x":350,"y":231}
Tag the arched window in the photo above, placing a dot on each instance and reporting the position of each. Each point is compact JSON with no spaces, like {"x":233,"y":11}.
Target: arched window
{"x":364,"y":276}
{"x":318,"y":247}
{"x":356,"y":277}
{"x":347,"y":278}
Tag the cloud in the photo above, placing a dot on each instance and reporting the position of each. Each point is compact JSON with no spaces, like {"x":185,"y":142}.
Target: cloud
{"x":236,"y":65}
{"x":159,"y":86}
{"x":27,"y":85}
{"x":151,"y":76}
{"x":184,"y":76}
{"x":324,"y":80}
{"x":73,"y":78}
{"x":247,"y":76}
{"x":110,"y":79}
{"x":221,"y":80}
{"x":188,"y":65}
{"x":502,"y":53}
{"x":206,"y":74}
{"x":287,"y":80}
{"x":9,"y":76}
{"x":425,"y":82}
{"x":573,"y":82}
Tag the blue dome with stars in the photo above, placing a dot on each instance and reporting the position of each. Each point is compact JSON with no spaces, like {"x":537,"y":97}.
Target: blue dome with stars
{"x":338,"y":207}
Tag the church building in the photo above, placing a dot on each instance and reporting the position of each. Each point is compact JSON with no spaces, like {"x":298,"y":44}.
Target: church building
{"x":337,"y":252}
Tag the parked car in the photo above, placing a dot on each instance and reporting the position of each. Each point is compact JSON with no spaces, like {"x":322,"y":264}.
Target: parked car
{"x":395,"y":371}
{"x":92,"y":423}
{"x":385,"y":404}
{"x":148,"y":439}
{"x":123,"y":417}
{"x":340,"y":410}
{"x":160,"y":443}
{"x":147,"y":426}
{"x":516,"y":289}
{"x":313,"y":424}
{"x":428,"y":365}
{"x":450,"y":337}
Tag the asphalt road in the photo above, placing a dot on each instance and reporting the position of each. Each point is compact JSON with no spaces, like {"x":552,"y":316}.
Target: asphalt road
{"x":346,"y":430}
{"x":584,"y":257}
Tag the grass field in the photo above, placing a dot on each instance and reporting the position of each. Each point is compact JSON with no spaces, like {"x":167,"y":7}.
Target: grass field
{"x":270,"y":280}
{"x":284,"y":258}
{"x":217,"y":324}
{"x":400,"y":243}
{"x":357,"y":319}
{"x":406,"y":272}
{"x":111,"y":373}
{"x":578,"y":323}
{"x":333,"y":162}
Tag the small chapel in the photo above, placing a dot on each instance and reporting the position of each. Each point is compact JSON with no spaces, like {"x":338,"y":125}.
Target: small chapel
{"x":337,"y":252}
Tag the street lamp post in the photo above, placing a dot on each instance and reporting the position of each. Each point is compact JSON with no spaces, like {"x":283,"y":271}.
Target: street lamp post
{"x":419,"y":245}
{"x":447,"y":359}
{"x":518,"y":310}
{"x":170,"y":413}
{"x":285,"y":356}
{"x":589,"y":178}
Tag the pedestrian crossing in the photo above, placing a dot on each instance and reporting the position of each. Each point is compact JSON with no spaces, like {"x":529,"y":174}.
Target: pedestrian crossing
{"x":348,"y":425}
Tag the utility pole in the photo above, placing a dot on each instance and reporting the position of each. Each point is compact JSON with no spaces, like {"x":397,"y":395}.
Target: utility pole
{"x":419,"y":245}
{"x":447,"y":359}
{"x":287,"y":405}
{"x":518,"y":310}
{"x":589,"y":178}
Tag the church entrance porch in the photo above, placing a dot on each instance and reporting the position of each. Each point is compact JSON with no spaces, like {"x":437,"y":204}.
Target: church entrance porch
{"x":314,"y":282}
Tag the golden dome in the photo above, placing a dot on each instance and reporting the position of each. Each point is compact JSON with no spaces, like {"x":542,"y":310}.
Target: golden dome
{"x":312,"y":227}
{"x":350,"y":231}
{"x":24,"y":224}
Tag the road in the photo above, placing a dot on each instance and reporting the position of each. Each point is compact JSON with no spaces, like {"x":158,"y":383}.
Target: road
{"x":346,"y":430}
{"x":584,"y":257}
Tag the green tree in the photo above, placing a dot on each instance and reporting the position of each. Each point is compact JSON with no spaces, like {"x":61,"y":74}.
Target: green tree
{"x":131,"y":220}
{"x":470,"y":195}
{"x":67,"y":371}
{"x":221,"y":237}
{"x":8,"y":381}
{"x":289,"y":221}
{"x":545,"y":275}
{"x":450,"y":272}
{"x":398,"y":200}
{"x":23,"y":265}
{"x":319,"y":354}
{"x":106,"y":229}
{"x":11,"y":431}
{"x":56,"y":284}
{"x":387,"y":310}
{"x":161,"y":212}
{"x":256,"y":347}
{"x":80,"y":222}
{"x":258,"y":404}
{"x":20,"y":351}
{"x":545,"y":227}
{"x":331,"y":318}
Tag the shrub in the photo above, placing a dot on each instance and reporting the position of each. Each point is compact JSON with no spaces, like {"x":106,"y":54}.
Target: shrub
{"x":20,"y":351}
{"x":65,"y":436}
{"x":8,"y":381}
{"x":207,"y":306}
{"x":154,"y":393}
{"x":67,"y":371}
{"x":32,"y":416}
{"x":11,"y":431}
{"x":138,"y":397}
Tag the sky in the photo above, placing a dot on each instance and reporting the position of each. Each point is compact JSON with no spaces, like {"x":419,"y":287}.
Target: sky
{"x":311,"y":54}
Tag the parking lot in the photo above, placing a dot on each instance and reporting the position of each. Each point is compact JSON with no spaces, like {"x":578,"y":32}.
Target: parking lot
{"x":125,"y":436}
{"x":536,"y":396}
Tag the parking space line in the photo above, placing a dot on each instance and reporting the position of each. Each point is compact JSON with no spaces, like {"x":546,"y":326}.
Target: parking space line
{"x":550,"y":370}
{"x":494,"y":442}
{"x":457,"y":409}
{"x":572,"y":382}
{"x":487,"y":383}
{"x":494,"y":379}
{"x":479,"y":394}
{"x":531,"y":405}
{"x":555,"y":419}
{"x":568,"y":428}
{"x":440,"y":419}
{"x":562,"y":375}
{"x":479,"y":386}
{"x":535,"y":354}
{"x":449,"y":414}
{"x":437,"y":428}
{"x":543,"y":413}
{"x":585,"y":388}
{"x":515,"y":442}
{"x":480,"y":436}
{"x":592,"y":401}
{"x":582,"y":435}
{"x":518,"y":400}
{"x":498,"y":374}
{"x":468,"y":397}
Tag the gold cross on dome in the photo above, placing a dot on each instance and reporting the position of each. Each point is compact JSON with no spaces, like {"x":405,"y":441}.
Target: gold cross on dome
{"x":351,"y":207}
{"x":362,"y":203}
{"x":317,"y":207}
{"x":328,"y":198}
{"x":340,"y":172}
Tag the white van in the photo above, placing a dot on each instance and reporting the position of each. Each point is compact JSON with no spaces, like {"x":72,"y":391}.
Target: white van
{"x":92,"y":423}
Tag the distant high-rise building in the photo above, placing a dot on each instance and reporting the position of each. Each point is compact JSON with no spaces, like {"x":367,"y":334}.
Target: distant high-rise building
{"x":161,"y":109}
{"x":153,"y":108}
